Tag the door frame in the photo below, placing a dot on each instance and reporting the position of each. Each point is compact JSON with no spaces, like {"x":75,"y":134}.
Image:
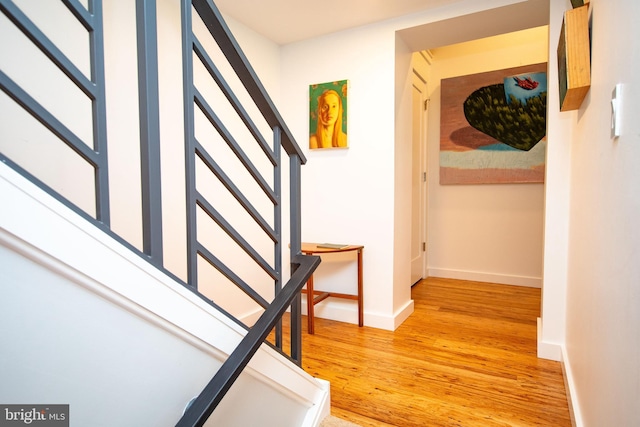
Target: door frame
{"x":420,"y":84}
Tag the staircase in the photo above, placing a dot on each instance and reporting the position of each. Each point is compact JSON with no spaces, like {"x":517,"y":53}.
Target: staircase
{"x":142,"y":260}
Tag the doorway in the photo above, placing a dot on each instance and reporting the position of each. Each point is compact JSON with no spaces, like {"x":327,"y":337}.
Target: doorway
{"x":418,"y":177}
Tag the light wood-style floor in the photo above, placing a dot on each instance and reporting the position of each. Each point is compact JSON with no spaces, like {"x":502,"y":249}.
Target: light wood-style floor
{"x":465,"y":357}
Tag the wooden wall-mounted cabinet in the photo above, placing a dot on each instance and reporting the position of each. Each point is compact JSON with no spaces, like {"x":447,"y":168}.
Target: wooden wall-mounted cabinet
{"x":574,"y":58}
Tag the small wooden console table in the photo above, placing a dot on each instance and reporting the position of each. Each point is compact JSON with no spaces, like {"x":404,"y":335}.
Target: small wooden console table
{"x":314,"y":296}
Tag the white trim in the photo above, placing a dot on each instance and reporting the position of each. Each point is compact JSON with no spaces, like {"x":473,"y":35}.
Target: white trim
{"x":347,"y":311}
{"x":570,"y":387}
{"x":322,"y":409}
{"x":478,"y":276}
{"x":558,"y":352}
{"x":548,"y":350}
{"x":427,"y":55}
{"x":403,"y":314}
{"x":340,"y":310}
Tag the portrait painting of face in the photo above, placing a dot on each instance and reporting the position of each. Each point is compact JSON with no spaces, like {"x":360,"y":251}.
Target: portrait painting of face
{"x":328,"y":115}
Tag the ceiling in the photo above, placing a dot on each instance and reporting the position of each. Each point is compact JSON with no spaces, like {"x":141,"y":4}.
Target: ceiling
{"x":491,"y":22}
{"x":288,"y":21}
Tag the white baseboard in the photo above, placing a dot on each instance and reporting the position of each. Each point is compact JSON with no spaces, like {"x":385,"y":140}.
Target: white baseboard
{"x":548,"y":350}
{"x":558,"y":353}
{"x":478,"y":276}
{"x":402,"y":314}
{"x":570,"y":387}
{"x":347,"y":311}
{"x":334,"y":309}
{"x":322,"y":409}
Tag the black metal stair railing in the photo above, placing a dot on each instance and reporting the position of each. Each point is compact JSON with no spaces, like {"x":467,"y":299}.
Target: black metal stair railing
{"x":202,"y":407}
{"x":200,"y":206}
{"x":194,"y":53}
{"x":92,"y":87}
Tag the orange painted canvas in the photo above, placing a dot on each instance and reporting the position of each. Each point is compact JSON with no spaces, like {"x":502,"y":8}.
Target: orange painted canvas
{"x":328,"y":115}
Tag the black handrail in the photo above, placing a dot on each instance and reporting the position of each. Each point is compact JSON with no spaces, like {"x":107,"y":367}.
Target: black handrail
{"x":202,"y":407}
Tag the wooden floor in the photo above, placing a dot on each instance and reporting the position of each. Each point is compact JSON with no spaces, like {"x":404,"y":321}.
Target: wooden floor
{"x":465,"y":357}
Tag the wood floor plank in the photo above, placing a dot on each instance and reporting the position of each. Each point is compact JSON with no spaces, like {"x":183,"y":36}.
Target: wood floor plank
{"x":465,"y":357}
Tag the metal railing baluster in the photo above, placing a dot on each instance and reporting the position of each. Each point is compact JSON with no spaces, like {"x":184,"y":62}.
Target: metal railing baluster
{"x":149,"y":110}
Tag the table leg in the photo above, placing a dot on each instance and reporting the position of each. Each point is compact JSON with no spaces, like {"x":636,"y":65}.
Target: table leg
{"x":310,"y":305}
{"x":360,"y":286}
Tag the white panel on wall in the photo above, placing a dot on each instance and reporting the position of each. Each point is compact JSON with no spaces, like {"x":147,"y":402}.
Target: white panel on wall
{"x":347,"y":194}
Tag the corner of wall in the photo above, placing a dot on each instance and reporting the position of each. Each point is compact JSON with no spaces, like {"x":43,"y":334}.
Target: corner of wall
{"x":403,"y":314}
{"x":548,"y":350}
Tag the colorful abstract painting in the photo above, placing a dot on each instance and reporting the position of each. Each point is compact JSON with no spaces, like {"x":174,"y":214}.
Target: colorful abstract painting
{"x":493,"y":127}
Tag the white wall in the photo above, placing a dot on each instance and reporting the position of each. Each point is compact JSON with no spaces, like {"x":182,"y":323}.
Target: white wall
{"x":347,"y":194}
{"x":603,"y":288}
{"x":487,"y":232}
{"x":263,"y":54}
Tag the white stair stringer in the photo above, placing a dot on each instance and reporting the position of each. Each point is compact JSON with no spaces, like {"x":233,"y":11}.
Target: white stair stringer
{"x":88,"y":323}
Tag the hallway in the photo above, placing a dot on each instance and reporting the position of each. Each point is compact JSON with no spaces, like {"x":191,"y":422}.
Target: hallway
{"x":465,"y":357}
